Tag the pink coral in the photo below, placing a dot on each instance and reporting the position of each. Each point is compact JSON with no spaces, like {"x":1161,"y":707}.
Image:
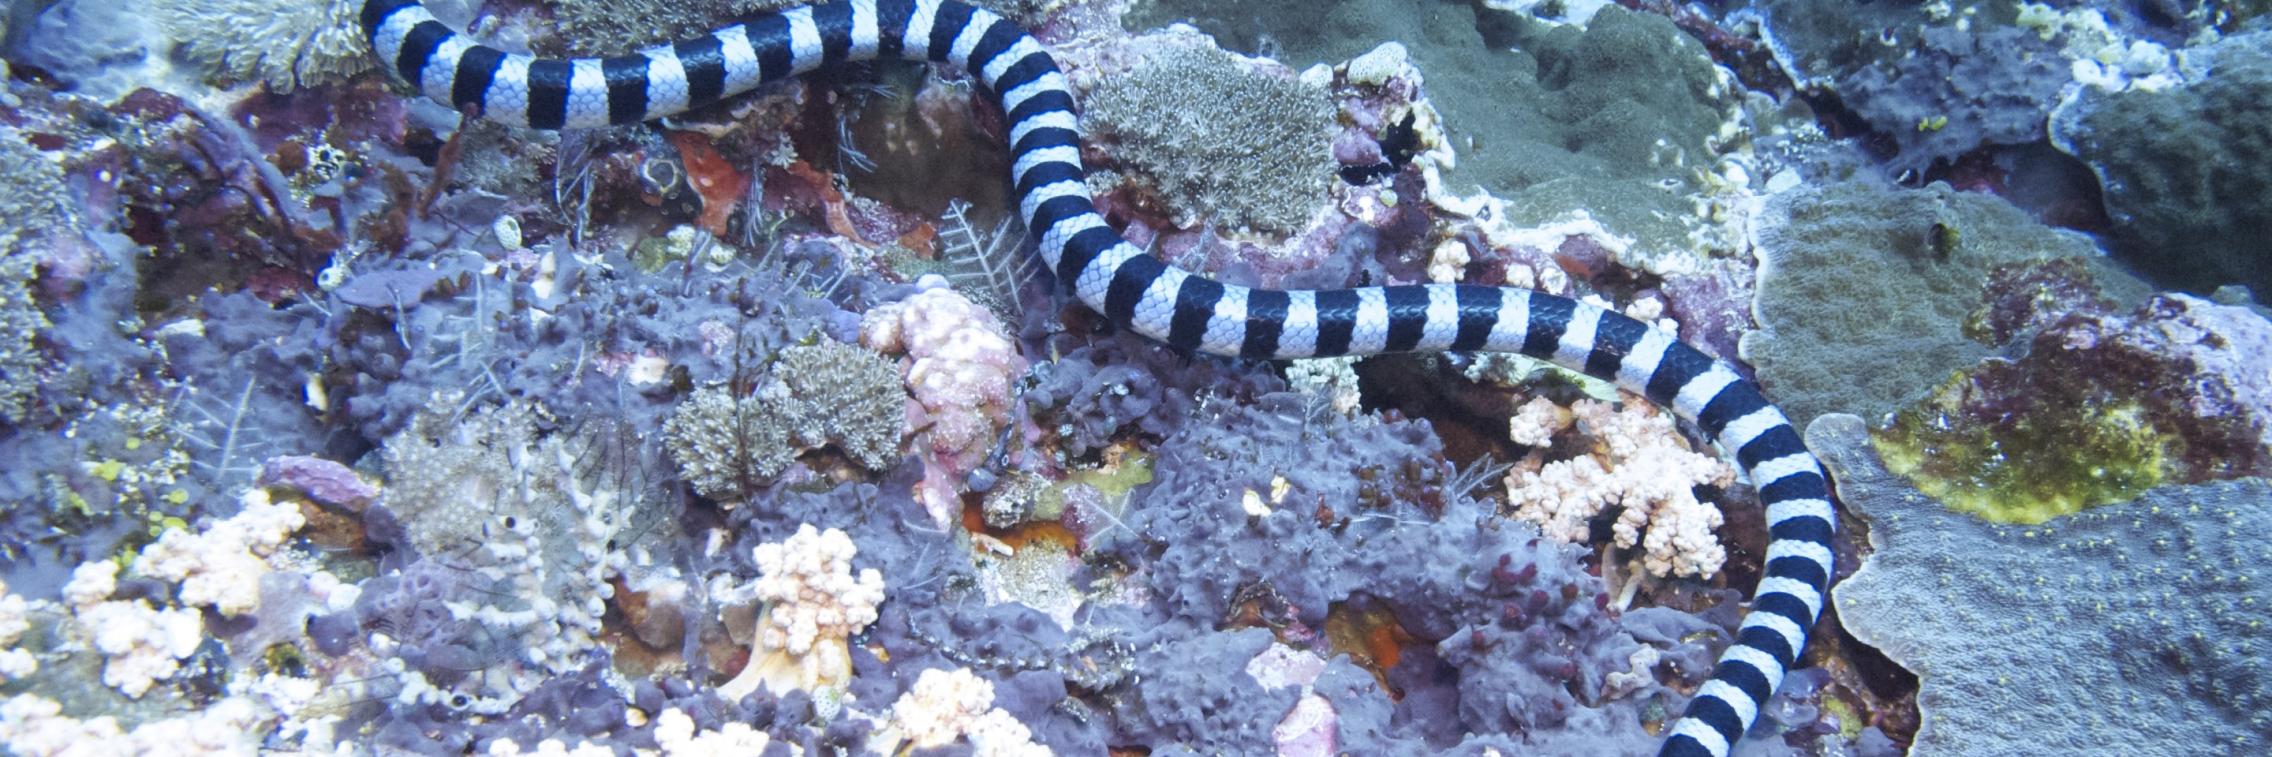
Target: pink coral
{"x":960,"y":366}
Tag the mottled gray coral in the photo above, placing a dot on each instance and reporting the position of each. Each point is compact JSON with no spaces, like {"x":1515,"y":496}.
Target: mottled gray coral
{"x":33,"y":200}
{"x":825,"y":394}
{"x":1216,"y":140}
{"x":1615,"y":119}
{"x":2187,"y":172}
{"x":1957,"y":90}
{"x":1864,"y":290}
{"x":615,"y":27}
{"x":284,"y":44}
{"x":2132,"y":628}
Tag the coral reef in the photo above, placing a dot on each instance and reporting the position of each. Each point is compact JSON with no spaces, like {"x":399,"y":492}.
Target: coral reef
{"x":813,"y":604}
{"x":1214,"y":138}
{"x":2090,"y":414}
{"x":1621,"y":119}
{"x":284,"y":45}
{"x":32,"y":191}
{"x":2014,"y":629}
{"x":2184,"y":168}
{"x":959,"y":363}
{"x":608,"y":27}
{"x":812,"y":396}
{"x":1864,"y":290}
{"x":1639,"y":463}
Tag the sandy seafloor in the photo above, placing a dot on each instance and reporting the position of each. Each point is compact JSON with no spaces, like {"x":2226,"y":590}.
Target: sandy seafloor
{"x":333,"y":422}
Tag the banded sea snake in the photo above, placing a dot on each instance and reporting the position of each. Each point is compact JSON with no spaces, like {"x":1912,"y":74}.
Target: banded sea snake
{"x":1185,"y":309}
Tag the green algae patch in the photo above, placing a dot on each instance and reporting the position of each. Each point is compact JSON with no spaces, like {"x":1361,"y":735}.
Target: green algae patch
{"x":2055,"y":457}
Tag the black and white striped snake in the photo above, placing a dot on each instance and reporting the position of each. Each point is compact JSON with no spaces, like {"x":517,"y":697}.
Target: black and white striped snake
{"x":1186,"y":309}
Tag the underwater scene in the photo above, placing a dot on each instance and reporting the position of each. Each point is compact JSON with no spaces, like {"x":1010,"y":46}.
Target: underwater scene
{"x":1135,"y":377}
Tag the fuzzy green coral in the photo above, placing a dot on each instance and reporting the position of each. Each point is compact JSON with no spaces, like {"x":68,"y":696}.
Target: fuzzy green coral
{"x":1213,"y":139}
{"x":2040,"y":466}
{"x":827,"y":394}
{"x":284,"y":44}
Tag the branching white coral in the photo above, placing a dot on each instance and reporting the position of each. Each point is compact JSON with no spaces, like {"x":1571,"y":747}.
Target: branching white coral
{"x":140,"y":644}
{"x":945,"y":705}
{"x":1638,"y":462}
{"x":961,"y":365}
{"x":813,"y":605}
{"x":222,"y":565}
{"x":286,"y":44}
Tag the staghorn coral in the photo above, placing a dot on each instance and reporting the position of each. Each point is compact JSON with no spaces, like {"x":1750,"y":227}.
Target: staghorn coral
{"x":285,"y":45}
{"x":960,"y":365}
{"x":1637,"y":461}
{"x":813,"y":604}
{"x":1215,"y":138}
{"x":824,"y":394}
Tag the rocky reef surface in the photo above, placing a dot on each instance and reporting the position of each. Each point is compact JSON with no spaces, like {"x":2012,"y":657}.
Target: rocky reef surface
{"x":335,"y":422}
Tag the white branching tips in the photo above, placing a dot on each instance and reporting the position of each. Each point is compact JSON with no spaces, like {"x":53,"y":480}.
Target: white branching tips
{"x":813,"y":605}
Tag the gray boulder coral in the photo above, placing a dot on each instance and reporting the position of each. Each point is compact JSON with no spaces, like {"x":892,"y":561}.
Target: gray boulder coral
{"x":2132,"y":628}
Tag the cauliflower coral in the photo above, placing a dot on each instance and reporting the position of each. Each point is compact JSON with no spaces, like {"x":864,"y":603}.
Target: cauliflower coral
{"x":222,"y":565}
{"x":813,"y":605}
{"x":946,"y":705}
{"x":961,"y":365}
{"x":140,"y":644}
{"x":1639,"y":462}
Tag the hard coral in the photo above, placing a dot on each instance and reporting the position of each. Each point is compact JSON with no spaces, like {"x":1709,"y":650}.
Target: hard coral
{"x":140,"y":644}
{"x":944,"y":706}
{"x":2102,"y":407}
{"x":1216,"y":138}
{"x":33,"y":198}
{"x":1637,"y":461}
{"x":2012,"y":630}
{"x":1864,"y":290}
{"x":961,"y":365}
{"x":813,"y":604}
{"x":222,"y":564}
{"x":613,"y":27}
{"x":284,"y":44}
{"x":2185,"y":169}
{"x":825,"y":394}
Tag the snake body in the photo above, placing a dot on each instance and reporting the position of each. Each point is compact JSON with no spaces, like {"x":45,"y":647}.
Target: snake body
{"x":1183,"y":308}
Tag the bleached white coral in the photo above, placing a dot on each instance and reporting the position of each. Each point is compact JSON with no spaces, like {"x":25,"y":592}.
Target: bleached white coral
{"x":140,"y":644}
{"x":222,"y":565}
{"x":945,"y":705}
{"x":813,"y":605}
{"x":285,"y":44}
{"x":35,"y":726}
{"x":1638,"y":462}
{"x":676,"y":735}
{"x":15,"y":621}
{"x":961,"y":366}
